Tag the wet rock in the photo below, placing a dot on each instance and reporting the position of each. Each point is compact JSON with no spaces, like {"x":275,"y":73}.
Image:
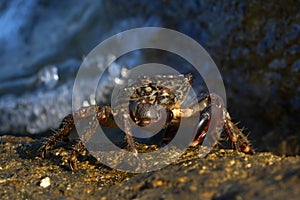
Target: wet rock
{"x":222,"y":174}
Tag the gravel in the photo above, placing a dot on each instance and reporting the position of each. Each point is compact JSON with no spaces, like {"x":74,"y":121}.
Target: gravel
{"x":222,"y":174}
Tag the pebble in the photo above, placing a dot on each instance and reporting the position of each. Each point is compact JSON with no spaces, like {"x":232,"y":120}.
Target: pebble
{"x":157,"y":183}
{"x":45,"y":182}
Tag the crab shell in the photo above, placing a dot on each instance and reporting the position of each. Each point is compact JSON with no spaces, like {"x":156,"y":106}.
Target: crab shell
{"x":155,"y":90}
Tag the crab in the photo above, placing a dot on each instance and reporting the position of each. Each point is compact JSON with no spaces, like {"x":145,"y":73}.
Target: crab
{"x":142,"y":103}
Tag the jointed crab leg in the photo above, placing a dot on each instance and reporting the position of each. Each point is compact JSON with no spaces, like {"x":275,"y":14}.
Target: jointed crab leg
{"x":78,"y":149}
{"x":235,"y":135}
{"x":201,"y":129}
{"x":128,"y":135}
{"x":66,"y":126}
{"x":102,"y":115}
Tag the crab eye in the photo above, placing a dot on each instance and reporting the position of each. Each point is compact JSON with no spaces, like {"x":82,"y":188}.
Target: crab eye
{"x":144,"y":91}
{"x":148,"y":89}
{"x":165,"y":97}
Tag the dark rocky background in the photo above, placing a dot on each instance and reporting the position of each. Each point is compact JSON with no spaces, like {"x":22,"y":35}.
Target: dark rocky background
{"x":255,"y":44}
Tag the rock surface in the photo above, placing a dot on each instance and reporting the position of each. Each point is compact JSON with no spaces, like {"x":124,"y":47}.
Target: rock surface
{"x":223,"y":174}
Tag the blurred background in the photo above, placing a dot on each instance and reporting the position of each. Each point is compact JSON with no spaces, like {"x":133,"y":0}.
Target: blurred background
{"x":256,"y":46}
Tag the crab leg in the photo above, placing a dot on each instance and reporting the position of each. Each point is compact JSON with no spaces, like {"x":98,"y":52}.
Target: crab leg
{"x":201,"y":128}
{"x":128,"y":135}
{"x":236,"y":136}
{"x":205,"y":106}
{"x":103,"y":116}
{"x":64,"y":130}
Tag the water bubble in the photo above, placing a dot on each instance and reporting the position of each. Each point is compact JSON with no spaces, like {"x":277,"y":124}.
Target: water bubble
{"x":48,"y":76}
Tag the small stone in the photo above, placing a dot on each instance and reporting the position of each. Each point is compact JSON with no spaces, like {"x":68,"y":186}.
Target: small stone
{"x":222,"y":151}
{"x":232,"y":162}
{"x":3,"y":180}
{"x":157,"y":183}
{"x":45,"y":182}
{"x":193,"y":188}
{"x":278,"y":177}
{"x":182,"y":179}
